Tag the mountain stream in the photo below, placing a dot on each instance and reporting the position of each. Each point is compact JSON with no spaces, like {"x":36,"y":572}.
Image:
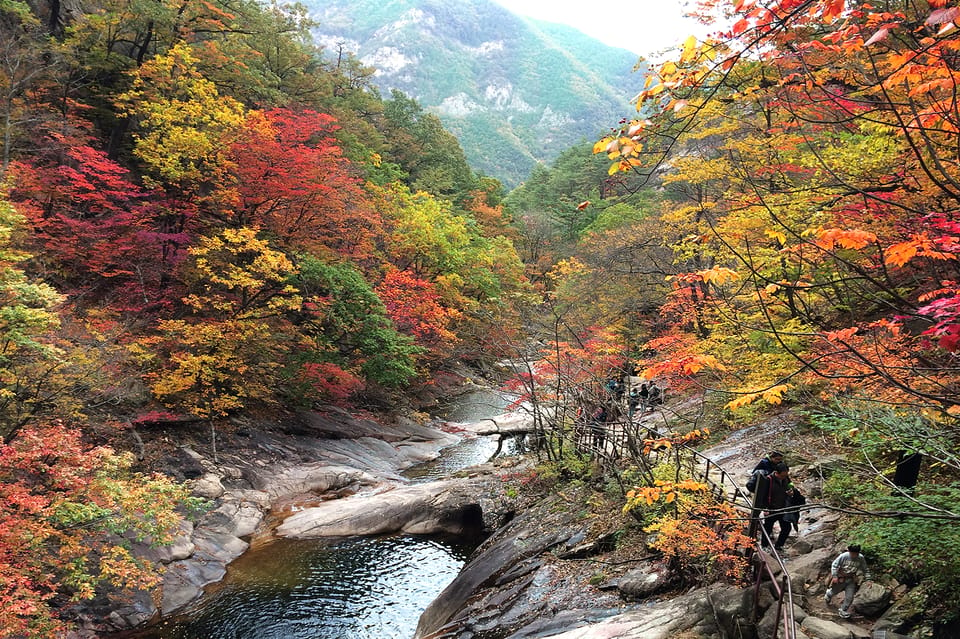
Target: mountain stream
{"x":357,"y":588}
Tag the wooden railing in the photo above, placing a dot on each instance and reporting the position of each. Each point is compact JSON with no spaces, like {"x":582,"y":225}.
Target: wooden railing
{"x":625,"y":438}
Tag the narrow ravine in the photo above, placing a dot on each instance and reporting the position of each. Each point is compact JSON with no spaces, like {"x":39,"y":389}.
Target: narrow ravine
{"x":355,"y":588}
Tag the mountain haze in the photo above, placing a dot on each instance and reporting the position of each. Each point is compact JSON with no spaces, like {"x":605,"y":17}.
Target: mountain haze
{"x":515,"y":91}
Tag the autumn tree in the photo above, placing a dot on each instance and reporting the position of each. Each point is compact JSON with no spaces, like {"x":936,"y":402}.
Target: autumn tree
{"x":809,"y":198}
{"x":183,"y":127}
{"x":226,"y":354}
{"x":29,"y":357}
{"x":66,"y":512}
{"x":291,"y":178}
{"x":417,"y":309}
{"x":348,"y":335}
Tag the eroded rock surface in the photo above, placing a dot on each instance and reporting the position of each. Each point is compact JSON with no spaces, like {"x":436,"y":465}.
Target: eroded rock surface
{"x":450,"y":506}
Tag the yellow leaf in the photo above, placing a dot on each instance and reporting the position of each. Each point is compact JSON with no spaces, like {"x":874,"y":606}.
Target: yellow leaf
{"x":779,"y":236}
{"x":718,"y":275}
{"x":775,"y":394}
{"x":689,"y":49}
{"x":740,"y":402}
{"x":601,"y":145}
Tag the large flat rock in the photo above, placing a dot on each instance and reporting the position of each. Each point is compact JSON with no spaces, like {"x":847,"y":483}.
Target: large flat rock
{"x":442,"y":506}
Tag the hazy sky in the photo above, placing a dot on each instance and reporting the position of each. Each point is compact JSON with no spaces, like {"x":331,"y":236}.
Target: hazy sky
{"x":641,"y":26}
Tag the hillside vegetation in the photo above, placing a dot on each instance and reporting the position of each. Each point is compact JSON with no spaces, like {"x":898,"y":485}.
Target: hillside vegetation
{"x":515,"y":92}
{"x":201,"y":214}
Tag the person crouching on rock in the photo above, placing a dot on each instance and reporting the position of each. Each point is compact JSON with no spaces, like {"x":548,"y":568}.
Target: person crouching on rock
{"x":847,"y":571}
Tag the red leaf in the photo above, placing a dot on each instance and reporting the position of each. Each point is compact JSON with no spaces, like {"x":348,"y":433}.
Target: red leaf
{"x":877,"y":37}
{"x":942,"y":16}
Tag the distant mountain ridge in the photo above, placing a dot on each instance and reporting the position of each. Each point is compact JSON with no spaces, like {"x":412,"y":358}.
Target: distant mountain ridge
{"x":514,"y":91}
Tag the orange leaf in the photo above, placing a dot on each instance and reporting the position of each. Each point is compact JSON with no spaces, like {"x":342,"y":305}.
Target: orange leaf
{"x":900,"y":254}
{"x":848,"y":239}
{"x":841,"y":335}
{"x":832,"y":10}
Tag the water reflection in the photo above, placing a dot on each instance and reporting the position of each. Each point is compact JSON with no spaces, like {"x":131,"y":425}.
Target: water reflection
{"x":370,"y":588}
{"x":360,"y":588}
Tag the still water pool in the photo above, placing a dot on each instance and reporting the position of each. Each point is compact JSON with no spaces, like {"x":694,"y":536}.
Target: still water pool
{"x":358,"y":588}
{"x":367,"y":588}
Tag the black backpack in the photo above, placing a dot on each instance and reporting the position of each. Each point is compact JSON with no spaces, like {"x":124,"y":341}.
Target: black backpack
{"x":752,"y":482}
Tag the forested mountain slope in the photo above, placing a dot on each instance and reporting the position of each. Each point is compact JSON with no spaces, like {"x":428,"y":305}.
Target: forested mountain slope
{"x":514,"y":91}
{"x":202,"y":215}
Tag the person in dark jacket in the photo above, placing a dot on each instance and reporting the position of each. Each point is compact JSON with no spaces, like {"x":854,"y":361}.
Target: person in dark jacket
{"x":765,"y":467}
{"x":778,"y":489}
{"x":769,"y":463}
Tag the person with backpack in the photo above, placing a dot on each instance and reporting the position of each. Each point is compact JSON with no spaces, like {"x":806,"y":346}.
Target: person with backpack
{"x":847,"y":571}
{"x":654,"y":395}
{"x":774,"y":500}
{"x":765,"y":467}
{"x":769,"y":463}
{"x":795,"y":500}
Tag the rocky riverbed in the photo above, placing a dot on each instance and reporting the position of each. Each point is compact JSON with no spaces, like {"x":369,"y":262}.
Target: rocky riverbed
{"x":312,"y":474}
{"x":560,"y":561}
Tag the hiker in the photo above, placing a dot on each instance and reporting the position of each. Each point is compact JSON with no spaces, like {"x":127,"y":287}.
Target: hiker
{"x":614,"y":388}
{"x":644,"y":396}
{"x":769,"y":463}
{"x":774,"y":501}
{"x":633,"y":403}
{"x":655,"y":395}
{"x":764,"y":468}
{"x":794,"y":501}
{"x":847,"y":571}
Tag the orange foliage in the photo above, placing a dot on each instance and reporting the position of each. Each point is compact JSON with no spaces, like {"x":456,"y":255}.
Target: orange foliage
{"x":704,"y":542}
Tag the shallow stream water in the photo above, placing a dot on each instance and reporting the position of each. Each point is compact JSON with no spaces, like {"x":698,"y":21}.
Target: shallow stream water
{"x":357,"y":588}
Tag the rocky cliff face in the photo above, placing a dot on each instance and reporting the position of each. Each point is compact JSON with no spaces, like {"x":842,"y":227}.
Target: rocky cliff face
{"x":569,"y":567}
{"x":514,"y":91}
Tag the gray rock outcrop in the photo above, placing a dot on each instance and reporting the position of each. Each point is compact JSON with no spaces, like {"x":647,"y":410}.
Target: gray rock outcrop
{"x":444,"y":506}
{"x":640,"y":583}
{"x":871,"y":599}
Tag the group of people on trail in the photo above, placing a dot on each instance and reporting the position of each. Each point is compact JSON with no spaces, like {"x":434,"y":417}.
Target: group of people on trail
{"x":781,"y":502}
{"x":776,"y":495}
{"x":596,"y":411}
{"x":647,"y":395}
